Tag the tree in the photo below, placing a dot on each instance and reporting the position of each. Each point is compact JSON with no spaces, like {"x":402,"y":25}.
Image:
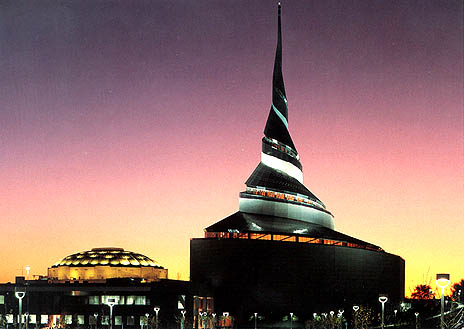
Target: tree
{"x":423,"y":291}
{"x":457,"y":291}
{"x":363,"y":317}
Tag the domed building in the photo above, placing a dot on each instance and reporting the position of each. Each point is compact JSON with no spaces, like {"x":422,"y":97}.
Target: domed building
{"x":106,"y":263}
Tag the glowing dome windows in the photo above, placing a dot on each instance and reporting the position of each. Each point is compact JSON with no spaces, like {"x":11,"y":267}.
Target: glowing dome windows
{"x":106,"y":263}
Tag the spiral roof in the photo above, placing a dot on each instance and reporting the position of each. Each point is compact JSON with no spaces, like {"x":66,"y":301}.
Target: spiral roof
{"x":107,"y":257}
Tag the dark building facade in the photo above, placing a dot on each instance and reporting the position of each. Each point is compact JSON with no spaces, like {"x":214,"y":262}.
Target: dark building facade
{"x":280,"y":253}
{"x":79,"y":288}
{"x":85,"y":304}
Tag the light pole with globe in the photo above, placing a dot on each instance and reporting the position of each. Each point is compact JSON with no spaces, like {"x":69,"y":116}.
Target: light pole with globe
{"x":443,"y":280}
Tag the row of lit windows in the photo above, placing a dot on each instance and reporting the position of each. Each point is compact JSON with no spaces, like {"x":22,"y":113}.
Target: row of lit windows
{"x":121,"y":300}
{"x":275,"y":144}
{"x":289,"y":238}
{"x":281,"y":196}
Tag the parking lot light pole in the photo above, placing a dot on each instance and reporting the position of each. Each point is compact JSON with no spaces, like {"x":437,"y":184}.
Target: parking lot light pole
{"x":443,"y":280}
{"x":96,"y":320}
{"x":111,"y":302}
{"x":20,"y":293}
{"x":383,"y":299}
{"x":156,"y":309}
{"x":182,"y":320}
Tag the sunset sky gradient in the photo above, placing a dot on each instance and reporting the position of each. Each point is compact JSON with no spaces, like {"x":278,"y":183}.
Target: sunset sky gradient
{"x":136,"y":124}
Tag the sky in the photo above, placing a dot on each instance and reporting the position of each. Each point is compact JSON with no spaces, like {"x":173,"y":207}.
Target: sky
{"x":135,"y":124}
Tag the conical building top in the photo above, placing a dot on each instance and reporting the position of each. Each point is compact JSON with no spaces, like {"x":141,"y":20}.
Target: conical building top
{"x":275,"y":188}
{"x":277,"y":121}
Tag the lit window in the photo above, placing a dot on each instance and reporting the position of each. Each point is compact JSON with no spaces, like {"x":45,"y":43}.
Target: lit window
{"x":2,"y":299}
{"x":118,"y":320}
{"x":94,"y":300}
{"x":80,"y":319}
{"x":44,"y":319}
{"x":105,"y":319}
{"x":68,"y":319}
{"x":140,"y":300}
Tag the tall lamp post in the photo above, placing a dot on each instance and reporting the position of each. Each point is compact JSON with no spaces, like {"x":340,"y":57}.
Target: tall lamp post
{"x":383,"y":299}
{"x":20,"y":293}
{"x":111,"y":302}
{"x":443,"y":280}
{"x":291,"y":320}
{"x":256,"y":320}
{"x":156,"y":309}
{"x":417,"y":319}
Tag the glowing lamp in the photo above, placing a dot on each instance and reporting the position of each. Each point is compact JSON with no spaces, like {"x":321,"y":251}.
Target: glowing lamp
{"x":383,"y":299}
{"x":443,"y":280}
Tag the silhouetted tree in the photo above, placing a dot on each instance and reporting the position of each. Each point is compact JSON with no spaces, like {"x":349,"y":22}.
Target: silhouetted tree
{"x":423,"y":291}
{"x":457,"y":291}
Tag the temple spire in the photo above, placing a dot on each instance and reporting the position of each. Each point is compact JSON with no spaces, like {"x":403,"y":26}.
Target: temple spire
{"x":277,"y":122}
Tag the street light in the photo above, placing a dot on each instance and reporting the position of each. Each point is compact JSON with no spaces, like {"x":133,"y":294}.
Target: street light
{"x":355,"y":309}
{"x":156,"y":309}
{"x":146,"y":317}
{"x":225,"y":316}
{"x":96,"y":320}
{"x":213,"y":325}
{"x":256,"y":319}
{"x":291,"y":320}
{"x":111,"y":302}
{"x":417,"y":319}
{"x":443,"y":280}
{"x":205,"y":319}
{"x":20,"y":293}
{"x":183,"y":319}
{"x":383,"y":299}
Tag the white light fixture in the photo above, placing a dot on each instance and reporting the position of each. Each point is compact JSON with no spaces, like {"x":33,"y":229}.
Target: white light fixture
{"x":156,"y":309}
{"x":383,"y":299}
{"x":20,"y":292}
{"x":443,"y":280}
{"x":111,"y":302}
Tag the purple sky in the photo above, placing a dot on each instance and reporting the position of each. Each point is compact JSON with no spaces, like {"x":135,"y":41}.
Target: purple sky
{"x":121,"y":109}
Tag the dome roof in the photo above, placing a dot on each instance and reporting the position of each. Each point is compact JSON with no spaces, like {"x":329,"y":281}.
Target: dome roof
{"x":108,"y":257}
